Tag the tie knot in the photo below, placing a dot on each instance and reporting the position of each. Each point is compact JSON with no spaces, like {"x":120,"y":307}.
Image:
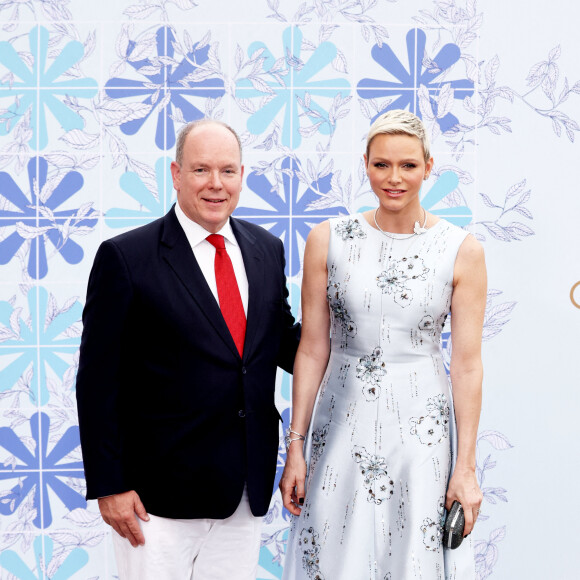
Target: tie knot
{"x":217,"y":241}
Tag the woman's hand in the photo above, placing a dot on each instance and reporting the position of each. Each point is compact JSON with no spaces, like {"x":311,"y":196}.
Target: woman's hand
{"x":464,"y":488}
{"x":293,"y":478}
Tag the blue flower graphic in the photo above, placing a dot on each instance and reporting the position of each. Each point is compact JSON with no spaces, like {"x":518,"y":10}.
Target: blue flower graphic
{"x":38,"y":472}
{"x":11,"y":561}
{"x":447,"y":182}
{"x":38,"y":345}
{"x":409,"y":81}
{"x":35,"y":218}
{"x":299,"y":88}
{"x":151,"y":207}
{"x":289,"y":216}
{"x":39,"y":89}
{"x":165,"y":86}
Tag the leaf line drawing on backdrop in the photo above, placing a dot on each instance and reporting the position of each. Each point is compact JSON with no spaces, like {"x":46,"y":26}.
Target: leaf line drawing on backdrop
{"x":284,"y":84}
{"x":463,"y":25}
{"x":27,"y":71}
{"x":56,"y":565}
{"x":168,"y":84}
{"x":354,"y":11}
{"x":545,"y":75}
{"x":54,"y":329}
{"x":514,"y":201}
{"x":37,"y":469}
{"x":30,"y":221}
{"x":486,"y":551}
{"x":290,"y":214}
{"x":418,"y":84}
{"x":158,"y":8}
{"x":152,"y":204}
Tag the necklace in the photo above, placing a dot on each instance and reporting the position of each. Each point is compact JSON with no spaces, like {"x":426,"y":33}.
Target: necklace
{"x":417,"y":230}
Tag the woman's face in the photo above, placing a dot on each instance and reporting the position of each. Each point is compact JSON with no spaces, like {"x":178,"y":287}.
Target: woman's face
{"x":396,"y":168}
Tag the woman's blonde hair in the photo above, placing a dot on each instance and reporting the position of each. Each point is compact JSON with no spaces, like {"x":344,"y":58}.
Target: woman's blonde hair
{"x":399,"y":122}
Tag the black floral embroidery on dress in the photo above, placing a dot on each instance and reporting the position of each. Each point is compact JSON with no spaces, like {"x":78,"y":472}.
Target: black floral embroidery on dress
{"x":441,"y":511}
{"x":433,"y":530}
{"x":349,"y":229}
{"x":310,"y":547}
{"x":318,"y":443}
{"x":433,"y":427}
{"x":427,"y":323}
{"x":431,"y":327}
{"x":335,"y":297}
{"x":378,"y":484}
{"x":371,"y":370}
{"x":396,"y":278}
{"x":431,"y":535}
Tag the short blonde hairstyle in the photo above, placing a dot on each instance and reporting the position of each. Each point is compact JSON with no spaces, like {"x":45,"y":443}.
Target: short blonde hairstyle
{"x":399,"y":122}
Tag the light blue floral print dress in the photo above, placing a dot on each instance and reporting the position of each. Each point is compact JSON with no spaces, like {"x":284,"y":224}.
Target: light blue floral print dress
{"x":380,"y":444}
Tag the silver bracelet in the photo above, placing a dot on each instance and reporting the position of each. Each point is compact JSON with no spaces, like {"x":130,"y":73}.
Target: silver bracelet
{"x":288,"y":438}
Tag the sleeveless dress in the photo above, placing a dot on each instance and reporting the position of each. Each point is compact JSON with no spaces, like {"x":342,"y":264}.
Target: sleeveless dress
{"x":381,"y":441}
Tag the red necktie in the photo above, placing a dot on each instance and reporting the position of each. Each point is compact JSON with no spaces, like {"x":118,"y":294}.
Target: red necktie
{"x":228,"y":292}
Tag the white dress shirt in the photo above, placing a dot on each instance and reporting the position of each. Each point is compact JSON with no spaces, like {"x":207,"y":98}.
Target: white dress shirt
{"x":204,"y":253}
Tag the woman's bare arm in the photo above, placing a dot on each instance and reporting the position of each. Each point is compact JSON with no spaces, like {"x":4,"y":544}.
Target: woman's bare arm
{"x":311,"y":360}
{"x":467,"y":314}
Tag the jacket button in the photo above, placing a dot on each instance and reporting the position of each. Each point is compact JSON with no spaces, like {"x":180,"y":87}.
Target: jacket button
{"x":244,"y":371}
{"x":241,"y":413}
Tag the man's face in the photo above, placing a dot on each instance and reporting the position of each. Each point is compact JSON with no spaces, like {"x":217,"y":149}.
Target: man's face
{"x":209,"y":180}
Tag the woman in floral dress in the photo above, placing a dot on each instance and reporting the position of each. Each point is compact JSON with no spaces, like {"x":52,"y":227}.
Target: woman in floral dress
{"x":388,"y":445}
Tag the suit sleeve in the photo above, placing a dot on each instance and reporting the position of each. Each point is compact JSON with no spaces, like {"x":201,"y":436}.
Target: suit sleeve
{"x":290,"y":328}
{"x":105,"y":316}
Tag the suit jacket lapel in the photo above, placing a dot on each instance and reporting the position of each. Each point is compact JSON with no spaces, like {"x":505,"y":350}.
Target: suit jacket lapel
{"x":253,"y":257}
{"x":177,"y":252}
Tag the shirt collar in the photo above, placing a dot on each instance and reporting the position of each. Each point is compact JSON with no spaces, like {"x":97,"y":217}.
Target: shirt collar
{"x":196,"y":233}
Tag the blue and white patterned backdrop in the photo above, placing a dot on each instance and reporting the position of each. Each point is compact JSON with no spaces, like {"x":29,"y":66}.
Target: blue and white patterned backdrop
{"x":91,"y":96}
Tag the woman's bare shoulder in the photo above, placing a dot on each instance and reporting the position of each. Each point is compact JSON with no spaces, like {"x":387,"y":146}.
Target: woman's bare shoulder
{"x":471,"y":250}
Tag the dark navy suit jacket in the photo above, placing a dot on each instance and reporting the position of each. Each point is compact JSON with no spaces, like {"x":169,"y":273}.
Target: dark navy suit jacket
{"x":167,"y":406}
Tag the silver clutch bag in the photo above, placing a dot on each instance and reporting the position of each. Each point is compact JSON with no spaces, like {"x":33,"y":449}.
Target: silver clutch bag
{"x":454,"y":526}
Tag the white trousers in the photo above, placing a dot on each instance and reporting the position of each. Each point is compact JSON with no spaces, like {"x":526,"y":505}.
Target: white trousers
{"x":200,"y":549}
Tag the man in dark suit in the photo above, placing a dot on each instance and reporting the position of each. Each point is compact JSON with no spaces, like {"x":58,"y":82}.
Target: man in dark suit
{"x":182,"y":337}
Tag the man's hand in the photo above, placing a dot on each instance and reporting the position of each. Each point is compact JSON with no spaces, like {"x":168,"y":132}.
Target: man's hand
{"x":119,"y":511}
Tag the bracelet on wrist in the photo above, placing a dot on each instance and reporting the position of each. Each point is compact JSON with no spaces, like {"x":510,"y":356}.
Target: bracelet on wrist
{"x":288,"y":437}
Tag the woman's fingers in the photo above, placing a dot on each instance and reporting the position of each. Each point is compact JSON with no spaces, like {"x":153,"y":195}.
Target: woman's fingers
{"x":288,"y":490}
{"x":300,"y":491}
{"x":471,"y":515}
{"x":449,"y":502}
{"x":469,"y":522}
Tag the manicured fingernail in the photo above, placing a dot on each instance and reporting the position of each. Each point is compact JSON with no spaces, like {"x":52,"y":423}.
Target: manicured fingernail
{"x":301,"y":501}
